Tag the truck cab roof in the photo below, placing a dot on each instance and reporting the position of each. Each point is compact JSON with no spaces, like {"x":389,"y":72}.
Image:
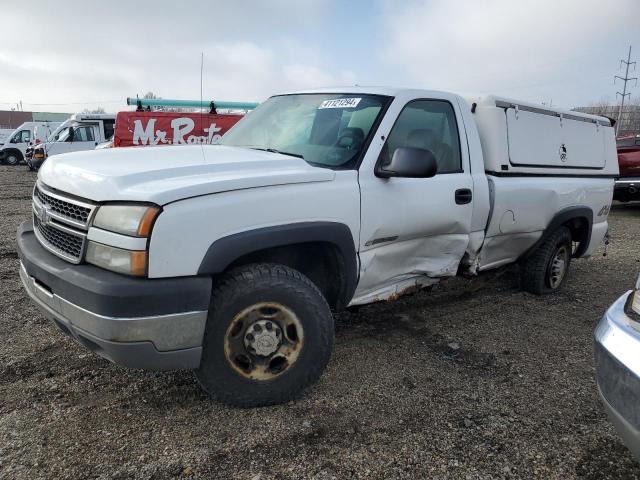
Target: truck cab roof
{"x":490,"y":99}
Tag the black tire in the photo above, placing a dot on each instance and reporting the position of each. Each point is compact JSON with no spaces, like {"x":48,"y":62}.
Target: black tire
{"x":238,"y":291}
{"x":539,"y":271}
{"x":12,"y":158}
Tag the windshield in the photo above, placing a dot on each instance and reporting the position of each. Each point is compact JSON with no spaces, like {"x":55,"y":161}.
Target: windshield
{"x":328,"y":130}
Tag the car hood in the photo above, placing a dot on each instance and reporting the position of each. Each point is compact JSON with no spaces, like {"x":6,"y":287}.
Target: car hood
{"x":166,"y":174}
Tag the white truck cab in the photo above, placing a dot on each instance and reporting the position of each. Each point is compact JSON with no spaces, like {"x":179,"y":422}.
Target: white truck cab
{"x":228,"y":259}
{"x":83,"y":131}
{"x":26,"y":135}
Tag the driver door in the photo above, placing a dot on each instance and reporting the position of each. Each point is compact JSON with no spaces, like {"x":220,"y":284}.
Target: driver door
{"x":416,"y":229}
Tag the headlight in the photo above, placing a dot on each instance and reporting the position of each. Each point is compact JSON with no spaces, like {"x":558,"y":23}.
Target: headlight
{"x":130,"y":262}
{"x":132,"y":220}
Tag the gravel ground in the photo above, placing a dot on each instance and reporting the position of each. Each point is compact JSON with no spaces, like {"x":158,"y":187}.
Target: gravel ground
{"x":473,"y":380}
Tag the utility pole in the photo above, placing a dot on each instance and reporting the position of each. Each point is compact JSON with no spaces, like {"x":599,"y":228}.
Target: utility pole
{"x":625,"y":79}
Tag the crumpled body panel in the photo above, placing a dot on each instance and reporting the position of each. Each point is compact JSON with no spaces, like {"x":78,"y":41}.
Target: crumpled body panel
{"x":399,"y":267}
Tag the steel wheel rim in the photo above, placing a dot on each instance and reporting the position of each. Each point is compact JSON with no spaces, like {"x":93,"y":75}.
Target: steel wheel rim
{"x":12,"y":159}
{"x":558,"y":267}
{"x":263,"y":341}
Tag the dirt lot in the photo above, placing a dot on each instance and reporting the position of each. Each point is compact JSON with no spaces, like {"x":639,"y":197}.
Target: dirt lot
{"x":473,"y":380}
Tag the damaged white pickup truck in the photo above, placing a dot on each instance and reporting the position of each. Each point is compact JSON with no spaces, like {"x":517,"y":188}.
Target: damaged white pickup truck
{"x":228,"y":259}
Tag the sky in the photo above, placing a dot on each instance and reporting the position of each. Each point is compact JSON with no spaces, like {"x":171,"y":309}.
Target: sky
{"x":71,"y":55}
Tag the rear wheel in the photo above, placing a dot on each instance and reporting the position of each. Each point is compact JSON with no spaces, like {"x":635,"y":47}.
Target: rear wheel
{"x":269,"y":336}
{"x":546,"y":269}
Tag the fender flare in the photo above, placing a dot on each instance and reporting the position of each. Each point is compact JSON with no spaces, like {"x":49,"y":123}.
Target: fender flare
{"x":224,"y":251}
{"x":563,"y":216}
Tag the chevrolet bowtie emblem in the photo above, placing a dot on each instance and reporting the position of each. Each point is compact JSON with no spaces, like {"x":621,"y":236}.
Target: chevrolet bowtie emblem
{"x":45,"y":216}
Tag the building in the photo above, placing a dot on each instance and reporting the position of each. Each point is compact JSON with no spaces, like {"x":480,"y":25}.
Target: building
{"x":11,"y":119}
{"x":629,"y":121}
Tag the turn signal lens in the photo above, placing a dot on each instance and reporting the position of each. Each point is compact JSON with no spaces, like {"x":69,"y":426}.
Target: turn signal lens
{"x":129,"y":262}
{"x":144,"y":229}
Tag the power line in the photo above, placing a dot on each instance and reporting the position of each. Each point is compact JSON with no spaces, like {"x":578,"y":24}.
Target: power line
{"x":63,"y":104}
{"x":625,"y":79}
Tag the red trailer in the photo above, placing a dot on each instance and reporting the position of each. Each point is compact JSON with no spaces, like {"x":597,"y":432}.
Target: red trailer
{"x":170,"y":128}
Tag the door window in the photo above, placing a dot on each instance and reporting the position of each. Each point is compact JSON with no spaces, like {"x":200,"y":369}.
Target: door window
{"x":83,"y":134}
{"x":108,"y":129}
{"x":23,"y":136}
{"x":430,"y":125}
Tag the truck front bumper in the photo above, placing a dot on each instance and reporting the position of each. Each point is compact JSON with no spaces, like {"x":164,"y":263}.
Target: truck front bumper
{"x":617,"y":347}
{"x":153,"y":324}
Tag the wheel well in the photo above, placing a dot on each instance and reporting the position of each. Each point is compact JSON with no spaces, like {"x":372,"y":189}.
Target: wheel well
{"x":15,"y":151}
{"x":321,"y":262}
{"x":578,"y":220}
{"x":580,"y":233}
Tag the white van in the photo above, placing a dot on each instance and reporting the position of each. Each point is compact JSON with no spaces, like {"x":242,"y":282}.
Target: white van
{"x":83,"y":131}
{"x":29,"y":133}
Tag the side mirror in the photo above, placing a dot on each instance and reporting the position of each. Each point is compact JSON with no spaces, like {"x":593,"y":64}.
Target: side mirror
{"x":409,"y":162}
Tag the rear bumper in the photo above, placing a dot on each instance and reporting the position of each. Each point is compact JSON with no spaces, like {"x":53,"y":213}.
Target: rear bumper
{"x":139,"y":323}
{"x":626,"y":188}
{"x":617,"y":344}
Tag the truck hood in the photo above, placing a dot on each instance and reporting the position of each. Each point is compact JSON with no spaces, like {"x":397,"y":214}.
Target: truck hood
{"x":165,"y":174}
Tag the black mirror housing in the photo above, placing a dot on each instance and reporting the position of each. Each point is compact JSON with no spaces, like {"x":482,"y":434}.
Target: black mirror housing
{"x":409,"y":162}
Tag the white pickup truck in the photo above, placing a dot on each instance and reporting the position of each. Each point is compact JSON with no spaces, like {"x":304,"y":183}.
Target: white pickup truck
{"x":228,"y":259}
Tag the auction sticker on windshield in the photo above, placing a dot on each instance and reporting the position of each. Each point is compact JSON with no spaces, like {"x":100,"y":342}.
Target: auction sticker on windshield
{"x":340,"y":103}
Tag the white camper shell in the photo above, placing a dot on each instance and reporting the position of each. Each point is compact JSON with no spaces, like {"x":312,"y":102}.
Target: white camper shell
{"x":525,"y":138}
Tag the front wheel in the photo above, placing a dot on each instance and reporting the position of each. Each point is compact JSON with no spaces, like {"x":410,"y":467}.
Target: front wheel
{"x":269,"y":336}
{"x":546,"y":269}
{"x":11,"y":158}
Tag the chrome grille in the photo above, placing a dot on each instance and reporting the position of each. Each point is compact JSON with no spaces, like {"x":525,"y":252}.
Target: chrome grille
{"x":64,"y":208}
{"x":67,"y":245}
{"x":61,"y":223}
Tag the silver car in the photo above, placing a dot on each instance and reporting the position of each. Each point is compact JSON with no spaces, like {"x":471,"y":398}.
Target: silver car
{"x":617,"y":352}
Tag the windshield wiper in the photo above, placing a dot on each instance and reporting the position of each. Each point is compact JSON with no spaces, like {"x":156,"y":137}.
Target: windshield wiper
{"x":273,"y":150}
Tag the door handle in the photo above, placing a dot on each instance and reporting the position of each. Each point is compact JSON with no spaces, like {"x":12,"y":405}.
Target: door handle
{"x":463,"y":196}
